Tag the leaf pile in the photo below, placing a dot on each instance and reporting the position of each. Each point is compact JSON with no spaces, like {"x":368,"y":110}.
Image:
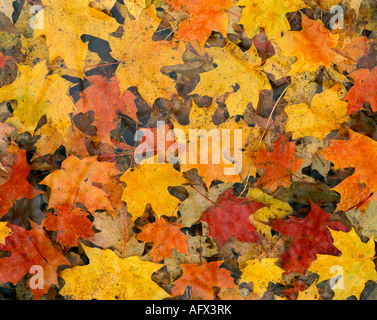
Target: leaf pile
{"x":297,"y":221}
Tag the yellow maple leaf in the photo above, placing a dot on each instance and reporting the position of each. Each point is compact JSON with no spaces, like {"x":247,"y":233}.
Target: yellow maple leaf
{"x":108,"y":277}
{"x":267,"y":14}
{"x":238,"y":73}
{"x":141,"y":67}
{"x":210,"y":169}
{"x":261,"y":273}
{"x":326,"y":113}
{"x":309,"y":294}
{"x":4,"y":232}
{"x":355,"y":266}
{"x":65,"y":22}
{"x":156,"y":178}
{"x":39,"y":94}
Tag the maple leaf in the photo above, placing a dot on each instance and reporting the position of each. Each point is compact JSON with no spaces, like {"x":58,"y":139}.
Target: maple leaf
{"x":74,"y":182}
{"x":198,"y":201}
{"x":29,"y":248}
{"x":326,"y":113}
{"x":165,"y":237}
{"x":310,"y":293}
{"x":153,"y":177}
{"x":269,"y":15}
{"x":65,"y":22}
{"x":312,"y":46}
{"x":357,"y":189}
{"x":356,"y":262}
{"x":203,"y":17}
{"x":364,"y":90}
{"x":278,"y":165}
{"x":224,"y":169}
{"x":4,"y":232}
{"x":130,"y":50}
{"x":108,"y":277}
{"x":366,"y":223}
{"x":17,"y":186}
{"x":235,"y":69}
{"x":202,"y":279}
{"x":38,"y":94}
{"x":310,"y":237}
{"x":261,"y":273}
{"x":104,"y":98}
{"x":70,"y":225}
{"x":230,"y":217}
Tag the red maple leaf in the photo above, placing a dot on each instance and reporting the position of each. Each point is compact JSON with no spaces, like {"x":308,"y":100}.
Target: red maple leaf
{"x":27,"y":249}
{"x":70,"y":224}
{"x":230,"y":217}
{"x":310,"y":237}
{"x":202,"y":279}
{"x":17,"y":186}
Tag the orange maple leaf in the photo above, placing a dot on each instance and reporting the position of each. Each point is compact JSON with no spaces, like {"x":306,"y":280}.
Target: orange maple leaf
{"x":30,"y":248}
{"x":70,"y":224}
{"x":357,"y":189}
{"x":17,"y":186}
{"x":202,"y":279}
{"x":364,"y":90}
{"x":278,"y":165}
{"x":103,"y":96}
{"x":204,"y":16}
{"x":165,"y":237}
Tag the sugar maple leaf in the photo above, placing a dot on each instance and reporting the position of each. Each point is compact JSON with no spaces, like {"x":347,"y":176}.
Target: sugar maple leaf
{"x":17,"y":186}
{"x":202,"y":279}
{"x":70,"y":225}
{"x":230,"y":217}
{"x":261,"y":273}
{"x":312,"y":46}
{"x":75,"y":182}
{"x":357,"y":189}
{"x":209,"y":170}
{"x":278,"y":165}
{"x":108,"y":277}
{"x":326,"y":113}
{"x":356,"y":262}
{"x":103,"y":96}
{"x":165,"y":237}
{"x":310,"y":237}
{"x":203,"y":17}
{"x":29,"y":248}
{"x":270,"y":15}
{"x":65,"y":22}
{"x":38,"y":94}
{"x":156,"y":178}
{"x":4,"y":232}
{"x":364,"y":90}
{"x":130,"y":50}
{"x":234,"y":69}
